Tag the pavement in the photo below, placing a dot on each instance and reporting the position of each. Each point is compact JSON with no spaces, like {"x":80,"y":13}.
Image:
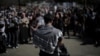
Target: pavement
{"x":73,"y":46}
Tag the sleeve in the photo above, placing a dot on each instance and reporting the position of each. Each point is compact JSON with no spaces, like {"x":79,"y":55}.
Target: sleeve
{"x":56,"y":39}
{"x":60,"y":34}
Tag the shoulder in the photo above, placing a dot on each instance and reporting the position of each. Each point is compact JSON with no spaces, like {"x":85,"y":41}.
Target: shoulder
{"x":40,"y":28}
{"x":58,"y":32}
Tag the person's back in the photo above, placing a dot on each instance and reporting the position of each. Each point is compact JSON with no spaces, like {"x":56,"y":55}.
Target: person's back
{"x":46,"y":37}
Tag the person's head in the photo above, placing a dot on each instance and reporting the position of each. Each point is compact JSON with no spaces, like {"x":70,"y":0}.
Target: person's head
{"x":48,"y":18}
{"x":10,"y":16}
{"x":38,"y":14}
{"x":65,"y":14}
{"x":22,"y":15}
{"x":58,"y":15}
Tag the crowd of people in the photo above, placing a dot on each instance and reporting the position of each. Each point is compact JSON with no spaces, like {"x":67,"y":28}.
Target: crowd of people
{"x":16,"y":26}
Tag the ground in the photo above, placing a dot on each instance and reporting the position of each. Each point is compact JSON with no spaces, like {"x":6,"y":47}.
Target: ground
{"x":73,"y":46}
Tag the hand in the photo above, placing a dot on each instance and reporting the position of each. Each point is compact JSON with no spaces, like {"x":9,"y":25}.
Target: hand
{"x":34,"y":29}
